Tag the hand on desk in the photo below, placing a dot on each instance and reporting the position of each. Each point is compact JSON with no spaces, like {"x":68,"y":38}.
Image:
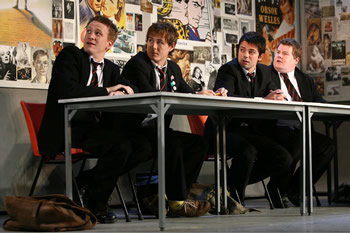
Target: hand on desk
{"x":221,"y":91}
{"x":119,"y":90}
{"x":206,"y":92}
{"x":276,"y":95}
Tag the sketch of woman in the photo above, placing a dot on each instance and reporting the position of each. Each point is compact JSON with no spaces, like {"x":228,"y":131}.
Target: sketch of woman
{"x":197,"y":81}
{"x":22,"y":55}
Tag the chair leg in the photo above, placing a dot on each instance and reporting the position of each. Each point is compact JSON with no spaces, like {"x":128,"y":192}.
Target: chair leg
{"x":316,"y":195}
{"x":139,"y":213}
{"x":76,"y":190}
{"x":329,"y":184}
{"x":268,"y":195}
{"x":42,"y":161}
{"x":126,"y":213}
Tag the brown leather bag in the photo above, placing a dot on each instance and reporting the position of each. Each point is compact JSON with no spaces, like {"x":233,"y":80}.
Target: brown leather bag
{"x":46,"y":213}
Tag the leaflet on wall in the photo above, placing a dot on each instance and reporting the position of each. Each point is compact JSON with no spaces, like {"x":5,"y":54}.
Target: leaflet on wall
{"x":342,"y":8}
{"x":343,"y":28}
{"x":244,"y":7}
{"x":69,"y":31}
{"x":313,"y":29}
{"x":275,"y":20}
{"x":315,"y":59}
{"x":338,"y":53}
{"x":125,"y":43}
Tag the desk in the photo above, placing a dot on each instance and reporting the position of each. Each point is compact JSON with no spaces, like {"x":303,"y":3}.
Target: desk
{"x":335,"y":113}
{"x":162,"y":103}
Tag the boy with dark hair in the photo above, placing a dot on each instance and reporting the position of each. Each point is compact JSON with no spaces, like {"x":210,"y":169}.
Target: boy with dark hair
{"x":184,"y":152}
{"x":255,"y":157}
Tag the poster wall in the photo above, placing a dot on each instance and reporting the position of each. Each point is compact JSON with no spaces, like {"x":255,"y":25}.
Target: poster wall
{"x":275,"y":20}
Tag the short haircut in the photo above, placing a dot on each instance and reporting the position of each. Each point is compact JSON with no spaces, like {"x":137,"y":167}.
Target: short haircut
{"x":163,"y":29}
{"x":112,"y":28}
{"x":297,"y":51}
{"x":39,"y":53}
{"x":256,"y":39}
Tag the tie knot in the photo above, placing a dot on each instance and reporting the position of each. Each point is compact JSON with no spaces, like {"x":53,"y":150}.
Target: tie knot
{"x":161,"y":70}
{"x":284,"y":75}
{"x":250,"y":75}
{"x":95,"y":64}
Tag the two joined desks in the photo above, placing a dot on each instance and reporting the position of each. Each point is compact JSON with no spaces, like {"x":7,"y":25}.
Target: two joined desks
{"x":223,"y":108}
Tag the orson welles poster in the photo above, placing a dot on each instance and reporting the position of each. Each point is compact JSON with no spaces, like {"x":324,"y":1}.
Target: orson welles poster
{"x":275,"y":20}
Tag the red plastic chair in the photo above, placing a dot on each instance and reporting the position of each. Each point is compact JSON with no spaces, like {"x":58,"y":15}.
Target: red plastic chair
{"x":33,"y":113}
{"x":197,"y":123}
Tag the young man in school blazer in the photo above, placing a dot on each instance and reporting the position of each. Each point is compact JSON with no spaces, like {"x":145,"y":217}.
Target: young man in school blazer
{"x":184,"y":153}
{"x":77,"y":74}
{"x":295,"y":83}
{"x":255,"y":157}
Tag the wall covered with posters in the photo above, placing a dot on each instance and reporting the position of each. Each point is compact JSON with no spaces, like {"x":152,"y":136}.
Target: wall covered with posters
{"x":35,"y":32}
{"x":326,"y":45}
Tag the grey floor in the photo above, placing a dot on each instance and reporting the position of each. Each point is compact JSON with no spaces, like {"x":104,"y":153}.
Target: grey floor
{"x":334,"y":218}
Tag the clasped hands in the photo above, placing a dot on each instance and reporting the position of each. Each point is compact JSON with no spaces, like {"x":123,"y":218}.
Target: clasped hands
{"x":276,"y":95}
{"x":119,"y":90}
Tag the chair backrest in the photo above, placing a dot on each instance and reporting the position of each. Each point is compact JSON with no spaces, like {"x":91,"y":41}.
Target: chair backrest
{"x":197,"y":123}
{"x":33,"y":113}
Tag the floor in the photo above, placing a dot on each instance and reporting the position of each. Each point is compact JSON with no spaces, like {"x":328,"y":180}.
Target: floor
{"x":335,"y":218}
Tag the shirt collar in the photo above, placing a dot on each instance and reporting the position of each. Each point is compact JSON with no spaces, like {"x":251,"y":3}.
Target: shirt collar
{"x":155,"y":65}
{"x":290,"y":74}
{"x":246,"y":72}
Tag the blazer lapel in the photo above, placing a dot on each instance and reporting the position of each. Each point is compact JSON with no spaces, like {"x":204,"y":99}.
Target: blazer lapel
{"x":106,"y":74}
{"x":301,"y":85}
{"x":86,"y":68}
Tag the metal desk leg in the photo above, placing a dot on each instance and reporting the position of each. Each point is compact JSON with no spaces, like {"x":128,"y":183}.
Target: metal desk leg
{"x":68,"y":154}
{"x":302,"y":165}
{"x":309,"y":182}
{"x":336,"y":125}
{"x":217,"y":169}
{"x":161,"y":165}
{"x":223,"y":163}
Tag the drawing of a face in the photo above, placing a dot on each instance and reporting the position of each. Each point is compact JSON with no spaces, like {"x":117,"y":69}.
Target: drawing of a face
{"x":195,"y":8}
{"x":179,"y":11}
{"x":95,"y":5}
{"x":109,"y":8}
{"x":41,"y":64}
